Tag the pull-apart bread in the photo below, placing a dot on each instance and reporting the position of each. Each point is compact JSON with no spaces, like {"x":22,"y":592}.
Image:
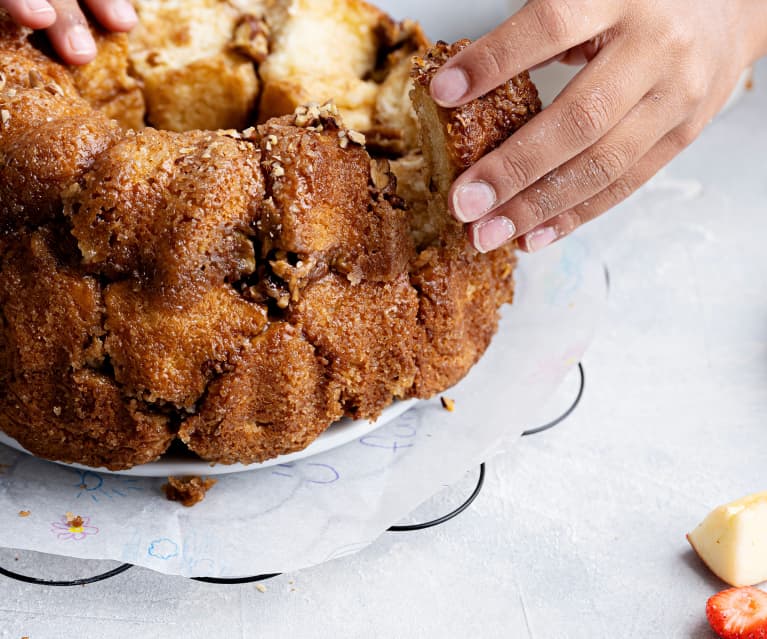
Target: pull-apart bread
{"x":230,"y":229}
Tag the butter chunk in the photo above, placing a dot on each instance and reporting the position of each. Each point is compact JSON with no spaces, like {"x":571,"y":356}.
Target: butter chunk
{"x":732,"y":541}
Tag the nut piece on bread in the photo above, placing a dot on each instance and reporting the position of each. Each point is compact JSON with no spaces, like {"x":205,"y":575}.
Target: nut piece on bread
{"x":732,"y":541}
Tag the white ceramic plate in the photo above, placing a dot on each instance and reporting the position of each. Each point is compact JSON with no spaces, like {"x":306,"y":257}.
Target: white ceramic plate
{"x":338,"y":434}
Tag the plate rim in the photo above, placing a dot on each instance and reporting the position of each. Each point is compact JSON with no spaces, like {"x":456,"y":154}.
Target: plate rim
{"x":336,"y":435}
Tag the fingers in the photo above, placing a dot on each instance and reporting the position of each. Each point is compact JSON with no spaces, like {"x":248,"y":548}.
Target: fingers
{"x":541,"y":30}
{"x":566,"y":222}
{"x":595,"y":169}
{"x":115,"y":15}
{"x":70,"y":35}
{"x":590,"y":106}
{"x":35,"y":14}
{"x":67,"y":27}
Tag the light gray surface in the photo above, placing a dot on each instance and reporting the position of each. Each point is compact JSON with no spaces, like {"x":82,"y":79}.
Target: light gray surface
{"x":579,"y":532}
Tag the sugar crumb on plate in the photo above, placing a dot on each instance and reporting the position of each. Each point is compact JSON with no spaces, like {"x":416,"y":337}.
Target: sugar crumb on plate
{"x":188,"y":490}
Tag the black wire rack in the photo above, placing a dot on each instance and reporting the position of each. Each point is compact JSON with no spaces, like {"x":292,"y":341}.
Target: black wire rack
{"x":395,"y":529}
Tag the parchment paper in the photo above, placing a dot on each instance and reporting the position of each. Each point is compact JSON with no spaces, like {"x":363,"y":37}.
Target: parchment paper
{"x":293,"y":516}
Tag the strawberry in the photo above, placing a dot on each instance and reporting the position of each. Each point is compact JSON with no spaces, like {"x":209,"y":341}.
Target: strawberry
{"x":738,"y":613}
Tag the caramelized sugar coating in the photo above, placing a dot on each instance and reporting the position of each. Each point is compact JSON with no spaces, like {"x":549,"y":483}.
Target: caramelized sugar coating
{"x":172,"y":210}
{"x":58,"y":397}
{"x":454,"y":139}
{"x":460,"y":293}
{"x":329,"y":199}
{"x":188,"y":490}
{"x":366,"y":334}
{"x":165,"y":353}
{"x":277,"y":400}
{"x":49,"y":135}
{"x":238,"y":291}
{"x":469,"y":131}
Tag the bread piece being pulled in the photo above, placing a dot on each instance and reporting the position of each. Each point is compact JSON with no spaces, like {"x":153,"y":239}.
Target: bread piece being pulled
{"x":454,"y":139}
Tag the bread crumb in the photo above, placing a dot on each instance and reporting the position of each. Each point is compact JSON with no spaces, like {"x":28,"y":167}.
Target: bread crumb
{"x":74,"y":521}
{"x":24,"y":513}
{"x":260,"y":587}
{"x":5,"y":115}
{"x":448,"y":404}
{"x":188,"y":490}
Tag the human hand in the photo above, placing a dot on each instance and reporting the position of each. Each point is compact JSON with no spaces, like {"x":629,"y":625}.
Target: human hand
{"x":66,"y":25}
{"x":656,"y":74}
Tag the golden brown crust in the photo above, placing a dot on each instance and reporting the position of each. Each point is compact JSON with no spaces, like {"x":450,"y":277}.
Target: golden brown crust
{"x":56,"y":398}
{"x":460,"y":294}
{"x":366,"y":334}
{"x":175,"y":211}
{"x":189,"y":491}
{"x":239,"y":291}
{"x":162,"y":355}
{"x":277,"y":400}
{"x":106,"y":84}
{"x":329,"y":200}
{"x":49,"y":135}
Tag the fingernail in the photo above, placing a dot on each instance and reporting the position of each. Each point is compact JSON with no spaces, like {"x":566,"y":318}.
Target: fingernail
{"x":473,"y":200}
{"x":540,"y":238}
{"x":124,"y":13}
{"x":450,"y":86}
{"x":38,"y":6}
{"x":493,"y":233}
{"x":81,"y":41}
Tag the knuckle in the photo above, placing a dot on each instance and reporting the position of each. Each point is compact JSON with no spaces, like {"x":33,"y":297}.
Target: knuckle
{"x":553,"y":19}
{"x":567,"y":222}
{"x":540,"y":205}
{"x":69,"y":14}
{"x":622,"y":188}
{"x":696,"y":88}
{"x":681,"y":36}
{"x":607,"y":164}
{"x":685,"y":135}
{"x":515,"y":170}
{"x":674,"y":37}
{"x":491,"y":58}
{"x":588,"y":116}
